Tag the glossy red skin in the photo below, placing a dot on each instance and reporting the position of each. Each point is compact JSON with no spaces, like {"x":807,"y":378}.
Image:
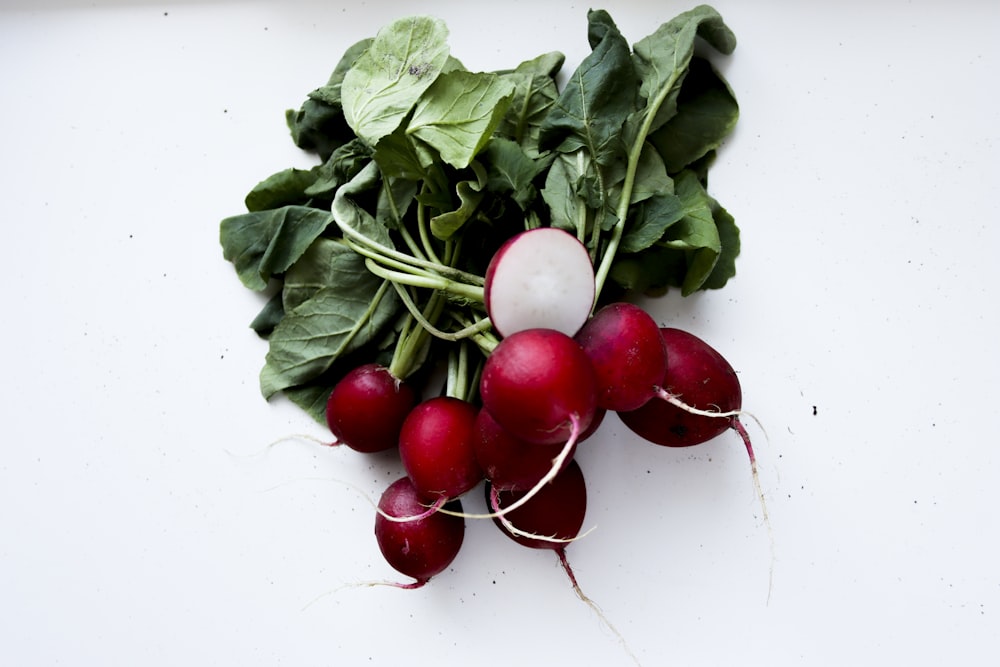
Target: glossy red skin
{"x":436,"y":447}
{"x":557,"y":510}
{"x":532,"y":383}
{"x":367,"y":407}
{"x":422,"y":548}
{"x":628,"y":354}
{"x":700,"y":377}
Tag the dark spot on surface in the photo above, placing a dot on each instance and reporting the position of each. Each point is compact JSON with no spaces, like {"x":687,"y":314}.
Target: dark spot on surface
{"x":680,"y":430}
{"x":814,"y":411}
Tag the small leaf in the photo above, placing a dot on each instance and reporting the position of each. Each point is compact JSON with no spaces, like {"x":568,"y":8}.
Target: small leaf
{"x":348,"y":213}
{"x":650,"y":220}
{"x":512,"y":171}
{"x":281,"y":189}
{"x":268,"y":317}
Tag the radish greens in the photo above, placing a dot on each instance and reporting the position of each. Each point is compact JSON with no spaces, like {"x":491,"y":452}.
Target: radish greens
{"x":424,"y":169}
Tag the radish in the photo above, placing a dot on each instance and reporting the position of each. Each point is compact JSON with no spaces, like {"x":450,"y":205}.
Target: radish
{"x":549,"y":520}
{"x":541,"y":278}
{"x":421,"y":548}
{"x":367,"y":407}
{"x":539,"y":385}
{"x":699,"y":376}
{"x":436,"y":447}
{"x":703,"y":399}
{"x":628,"y":354}
{"x":556,"y":511}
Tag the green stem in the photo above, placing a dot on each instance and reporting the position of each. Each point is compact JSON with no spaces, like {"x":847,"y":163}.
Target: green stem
{"x":471,"y":292}
{"x":478,"y":327}
{"x":422,"y":229}
{"x":626,"y":196}
{"x":385,"y":253}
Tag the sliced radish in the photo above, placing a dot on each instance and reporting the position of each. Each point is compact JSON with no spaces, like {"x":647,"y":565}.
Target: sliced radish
{"x":540,"y":279}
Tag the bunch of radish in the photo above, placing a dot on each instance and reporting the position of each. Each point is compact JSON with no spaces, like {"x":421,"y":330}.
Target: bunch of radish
{"x":543,"y":388}
{"x":488,"y":228}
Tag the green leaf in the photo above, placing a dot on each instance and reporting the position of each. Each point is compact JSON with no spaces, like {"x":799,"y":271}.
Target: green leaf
{"x":571,"y":191}
{"x":535,"y":91}
{"x":512,"y":171}
{"x":281,"y":189}
{"x":706,"y":114}
{"x":319,"y":124}
{"x":342,"y":165}
{"x":268,"y":317}
{"x":695,"y":233}
{"x":394,"y":199}
{"x":459,"y":113}
{"x":327,"y":262}
{"x":385,"y":82}
{"x":649,"y":220}
{"x":349,"y":213}
{"x":470,"y":194}
{"x":729,"y":235}
{"x":334,"y":321}
{"x":262,"y":244}
{"x":651,"y":176}
{"x":597,"y":99}
{"x":662,"y":58}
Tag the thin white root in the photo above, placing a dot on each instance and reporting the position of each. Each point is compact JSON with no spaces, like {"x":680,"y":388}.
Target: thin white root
{"x":416,"y":583}
{"x":737,"y":426}
{"x":514,"y":530}
{"x":557,"y":465}
{"x":675,"y":400}
{"x":561,"y":553}
{"x":285,"y":438}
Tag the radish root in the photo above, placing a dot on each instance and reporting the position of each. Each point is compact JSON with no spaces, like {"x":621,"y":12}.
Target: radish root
{"x":561,"y":553}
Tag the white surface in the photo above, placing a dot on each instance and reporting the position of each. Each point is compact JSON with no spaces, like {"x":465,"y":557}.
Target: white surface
{"x":142,"y":521}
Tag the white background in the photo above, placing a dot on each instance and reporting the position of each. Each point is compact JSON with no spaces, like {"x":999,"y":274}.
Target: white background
{"x":144,"y":519}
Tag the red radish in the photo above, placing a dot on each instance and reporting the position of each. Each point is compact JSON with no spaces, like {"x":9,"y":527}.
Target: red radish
{"x":700,"y":377}
{"x":628,"y":354}
{"x":436,"y":447}
{"x":556,"y":511}
{"x":703,"y":399}
{"x":367,"y":407}
{"x":539,"y":385}
{"x":540,"y":279}
{"x":420,"y":548}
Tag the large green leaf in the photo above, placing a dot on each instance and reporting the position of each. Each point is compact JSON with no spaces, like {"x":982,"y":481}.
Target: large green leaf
{"x":385,"y":82}
{"x":459,"y":113}
{"x":334,"y":321}
{"x":262,"y":244}
{"x":662,"y":58}
{"x":596,"y":100}
{"x":706,"y":113}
